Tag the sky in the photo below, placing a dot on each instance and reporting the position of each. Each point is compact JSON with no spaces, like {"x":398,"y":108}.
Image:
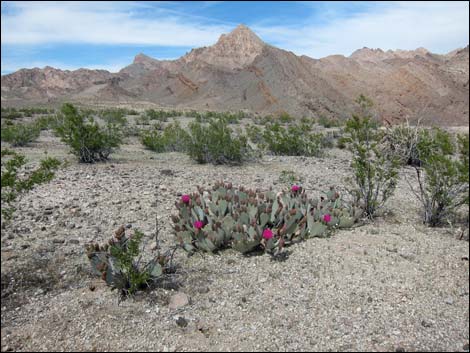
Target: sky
{"x":107,"y":35}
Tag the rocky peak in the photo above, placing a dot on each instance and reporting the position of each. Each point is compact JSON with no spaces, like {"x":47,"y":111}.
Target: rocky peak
{"x":236,"y":49}
{"x":143,"y":59}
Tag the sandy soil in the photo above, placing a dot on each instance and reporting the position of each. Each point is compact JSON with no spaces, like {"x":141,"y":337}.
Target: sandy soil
{"x":389,"y":285}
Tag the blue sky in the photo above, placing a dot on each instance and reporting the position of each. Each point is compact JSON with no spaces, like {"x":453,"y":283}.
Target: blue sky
{"x":107,"y":35}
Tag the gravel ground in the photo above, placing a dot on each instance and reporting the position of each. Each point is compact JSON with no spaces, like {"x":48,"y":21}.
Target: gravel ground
{"x":389,"y":285}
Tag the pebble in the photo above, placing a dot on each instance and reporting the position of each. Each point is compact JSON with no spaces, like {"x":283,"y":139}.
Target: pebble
{"x":178,"y":300}
{"x":181,"y":322}
{"x":449,"y":301}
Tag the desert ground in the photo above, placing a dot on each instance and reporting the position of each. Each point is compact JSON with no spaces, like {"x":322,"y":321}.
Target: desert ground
{"x":391,"y":284}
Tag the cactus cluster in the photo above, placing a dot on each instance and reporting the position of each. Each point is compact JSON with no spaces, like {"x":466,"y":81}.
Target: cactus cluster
{"x":115,"y":262}
{"x":246,"y":219}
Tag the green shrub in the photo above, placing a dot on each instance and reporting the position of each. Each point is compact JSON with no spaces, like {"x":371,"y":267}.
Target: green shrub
{"x":375,"y":170}
{"x":46,"y":122}
{"x":328,"y":122}
{"x":442,"y":177}
{"x":142,"y":120}
{"x":20,"y":134}
{"x":11,"y":114}
{"x":405,"y":141}
{"x":35,"y":110}
{"x":114,"y":116}
{"x":248,"y":220}
{"x":13,"y":185}
{"x":172,"y":139}
{"x":285,"y":118}
{"x":88,"y":141}
{"x":289,"y":177}
{"x":216,"y":143}
{"x":119,"y":264}
{"x":292,"y":141}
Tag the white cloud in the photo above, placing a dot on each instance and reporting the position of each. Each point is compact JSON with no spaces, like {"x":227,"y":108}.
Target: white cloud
{"x":102,"y":23}
{"x":438,"y":26}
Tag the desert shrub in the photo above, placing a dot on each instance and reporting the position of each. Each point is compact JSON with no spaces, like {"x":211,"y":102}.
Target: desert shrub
{"x":442,"y":177}
{"x":35,"y":110}
{"x":342,"y":142}
{"x":328,"y":122}
{"x":216,"y":143}
{"x":88,"y":141}
{"x":114,"y":116}
{"x":285,"y":118}
{"x":46,"y":122}
{"x":20,"y":134}
{"x":248,"y":220}
{"x":142,"y":120}
{"x":405,"y":141}
{"x":289,"y":177}
{"x":13,"y":185}
{"x":375,"y":170}
{"x":162,"y":115}
{"x":172,"y":139}
{"x":11,"y":114}
{"x":292,"y":141}
{"x":119,"y":264}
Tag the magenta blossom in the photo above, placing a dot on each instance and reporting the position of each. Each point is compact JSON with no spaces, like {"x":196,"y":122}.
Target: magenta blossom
{"x":198,"y":224}
{"x":295,"y":188}
{"x":267,"y":234}
{"x":327,"y":218}
{"x":185,"y":199}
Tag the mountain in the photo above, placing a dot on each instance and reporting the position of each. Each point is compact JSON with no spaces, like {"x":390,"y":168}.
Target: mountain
{"x":240,"y":71}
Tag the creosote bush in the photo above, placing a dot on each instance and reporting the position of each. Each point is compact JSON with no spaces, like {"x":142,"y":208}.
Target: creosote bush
{"x":248,"y":220}
{"x":89,"y":141}
{"x":118,"y":263}
{"x":442,"y":175}
{"x":293,"y":140}
{"x":20,"y":134}
{"x":172,"y":139}
{"x":216,"y":143}
{"x":13,"y":185}
{"x":375,"y":169}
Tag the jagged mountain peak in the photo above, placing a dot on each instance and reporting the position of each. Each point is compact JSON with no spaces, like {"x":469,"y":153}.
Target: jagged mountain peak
{"x":242,"y":36}
{"x":234,"y":50}
{"x":142,"y":58}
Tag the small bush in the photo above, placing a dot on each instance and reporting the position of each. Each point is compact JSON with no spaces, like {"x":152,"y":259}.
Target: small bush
{"x":119,"y":264}
{"x":328,"y":122}
{"x":248,"y":220}
{"x":13,"y":185}
{"x":216,"y":143}
{"x":172,"y":139}
{"x":442,"y":177}
{"x":46,"y":122}
{"x":20,"y":134}
{"x":289,"y":177}
{"x":292,"y":141}
{"x":11,"y":114}
{"x":88,"y":141}
{"x":406,"y":141}
{"x":375,"y":170}
{"x":285,"y":118}
{"x":114,"y":116}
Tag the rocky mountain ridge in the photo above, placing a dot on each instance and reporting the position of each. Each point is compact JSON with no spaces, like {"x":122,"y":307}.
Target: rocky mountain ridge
{"x":241,"y":72}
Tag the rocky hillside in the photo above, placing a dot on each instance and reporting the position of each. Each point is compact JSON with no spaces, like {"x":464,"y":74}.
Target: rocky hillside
{"x":240,"y":71}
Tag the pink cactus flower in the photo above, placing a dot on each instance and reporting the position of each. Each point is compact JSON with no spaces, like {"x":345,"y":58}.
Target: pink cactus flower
{"x":327,"y":218}
{"x":267,"y":234}
{"x":198,"y":224}
{"x":185,"y":199}
{"x":295,"y":188}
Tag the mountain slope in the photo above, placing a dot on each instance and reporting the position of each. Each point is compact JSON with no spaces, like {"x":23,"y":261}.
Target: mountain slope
{"x":240,"y":71}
